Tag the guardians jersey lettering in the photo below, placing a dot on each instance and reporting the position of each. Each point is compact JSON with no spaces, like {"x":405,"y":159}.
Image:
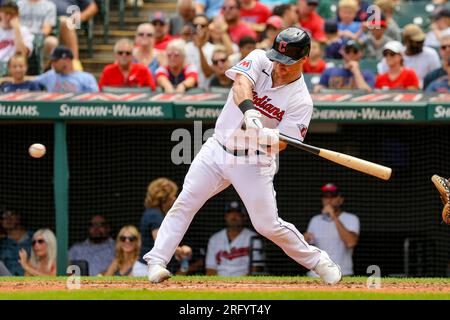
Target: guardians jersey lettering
{"x":267,"y":109}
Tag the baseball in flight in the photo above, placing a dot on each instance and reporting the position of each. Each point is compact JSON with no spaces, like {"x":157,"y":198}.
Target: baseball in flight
{"x":37,"y":150}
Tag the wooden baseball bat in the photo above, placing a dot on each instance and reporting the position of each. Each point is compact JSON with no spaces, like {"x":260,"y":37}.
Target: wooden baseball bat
{"x":357,"y":164}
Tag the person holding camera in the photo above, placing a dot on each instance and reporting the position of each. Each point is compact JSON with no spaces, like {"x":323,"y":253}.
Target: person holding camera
{"x":334,"y":230}
{"x":199,"y":51}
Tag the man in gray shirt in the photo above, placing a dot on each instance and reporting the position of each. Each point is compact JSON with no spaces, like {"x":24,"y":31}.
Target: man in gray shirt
{"x":334,"y":230}
{"x":98,"y":250}
{"x":38,"y":15}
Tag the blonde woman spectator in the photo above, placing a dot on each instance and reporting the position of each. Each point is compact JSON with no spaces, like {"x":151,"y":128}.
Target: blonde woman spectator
{"x":161,"y":195}
{"x":220,"y":64}
{"x":177,"y":75}
{"x":43,"y":255}
{"x":145,"y":51}
{"x":128,"y":248}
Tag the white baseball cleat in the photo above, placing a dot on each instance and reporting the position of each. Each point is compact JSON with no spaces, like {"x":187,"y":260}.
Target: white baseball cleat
{"x":158,"y":273}
{"x":328,"y":271}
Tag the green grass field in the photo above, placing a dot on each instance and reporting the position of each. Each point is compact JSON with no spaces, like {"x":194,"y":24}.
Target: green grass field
{"x":209,"y":288}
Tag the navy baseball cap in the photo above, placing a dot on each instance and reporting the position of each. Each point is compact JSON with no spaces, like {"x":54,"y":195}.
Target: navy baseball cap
{"x":330,"y":189}
{"x":61,"y":52}
{"x":234,"y":206}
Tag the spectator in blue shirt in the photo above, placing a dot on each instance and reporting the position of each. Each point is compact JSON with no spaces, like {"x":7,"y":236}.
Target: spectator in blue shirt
{"x":350,"y":76}
{"x":63,"y":77}
{"x":17,"y":238}
{"x":442,"y":84}
{"x":17,"y":67}
{"x":211,"y":8}
{"x":333,"y":43}
{"x":98,"y":250}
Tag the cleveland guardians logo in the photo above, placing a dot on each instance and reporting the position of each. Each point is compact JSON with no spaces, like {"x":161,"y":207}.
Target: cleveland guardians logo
{"x":303,"y":129}
{"x":282,"y":46}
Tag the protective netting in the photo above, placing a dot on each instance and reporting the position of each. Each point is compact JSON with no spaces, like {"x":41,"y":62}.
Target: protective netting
{"x":111,"y":166}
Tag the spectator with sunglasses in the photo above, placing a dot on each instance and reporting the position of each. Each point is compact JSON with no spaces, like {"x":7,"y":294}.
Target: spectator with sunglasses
{"x":416,"y":56}
{"x":376,"y":39}
{"x":199,"y":51}
{"x":17,"y":237}
{"x":161,"y":195}
{"x":98,"y":250}
{"x":43,"y":255}
{"x":444,"y":52}
{"x":144,"y":51}
{"x":123,"y":72}
{"x":162,"y":36}
{"x":220,"y":64}
{"x":397,"y":77}
{"x":236,"y":27}
{"x":128,"y":249}
{"x":350,"y":76}
{"x":177,"y":76}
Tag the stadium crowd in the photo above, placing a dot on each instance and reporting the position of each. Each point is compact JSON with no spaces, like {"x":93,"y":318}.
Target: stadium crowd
{"x":353,"y":48}
{"x":234,"y":250}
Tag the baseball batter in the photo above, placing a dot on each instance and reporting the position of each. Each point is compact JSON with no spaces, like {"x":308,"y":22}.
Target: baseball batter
{"x":269,"y":95}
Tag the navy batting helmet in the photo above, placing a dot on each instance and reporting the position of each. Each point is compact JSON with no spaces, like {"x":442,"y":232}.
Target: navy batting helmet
{"x":290,"y":45}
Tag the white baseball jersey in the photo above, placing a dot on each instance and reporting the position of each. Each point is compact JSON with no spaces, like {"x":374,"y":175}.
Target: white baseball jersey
{"x":232,"y":258}
{"x":326,"y":237}
{"x":288,"y":107}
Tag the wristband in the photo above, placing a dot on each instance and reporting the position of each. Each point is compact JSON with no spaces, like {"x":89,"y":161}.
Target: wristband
{"x":246,"y":105}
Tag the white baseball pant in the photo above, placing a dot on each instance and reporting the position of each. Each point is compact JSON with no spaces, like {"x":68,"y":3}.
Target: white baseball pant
{"x":208,"y":175}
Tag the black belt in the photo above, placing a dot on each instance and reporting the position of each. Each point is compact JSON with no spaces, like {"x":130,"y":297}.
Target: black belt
{"x":240,"y":153}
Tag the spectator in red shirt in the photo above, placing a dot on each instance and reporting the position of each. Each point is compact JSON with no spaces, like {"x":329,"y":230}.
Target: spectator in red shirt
{"x":236,"y":27}
{"x":397,"y":77}
{"x":177,"y":76}
{"x":162,"y":36}
{"x":310,"y":20}
{"x":255,"y":14}
{"x":314,"y":63}
{"x":123,"y":72}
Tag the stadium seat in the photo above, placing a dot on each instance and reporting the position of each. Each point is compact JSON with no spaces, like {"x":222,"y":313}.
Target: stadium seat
{"x":83,"y":265}
{"x":36,"y":60}
{"x":105,"y":9}
{"x":417,"y":12}
{"x":120,"y":90}
{"x":311,"y":79}
{"x":368,"y":64}
{"x":3,"y":68}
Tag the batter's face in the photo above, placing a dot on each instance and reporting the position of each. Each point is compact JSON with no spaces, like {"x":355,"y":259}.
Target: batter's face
{"x":286,"y":72}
